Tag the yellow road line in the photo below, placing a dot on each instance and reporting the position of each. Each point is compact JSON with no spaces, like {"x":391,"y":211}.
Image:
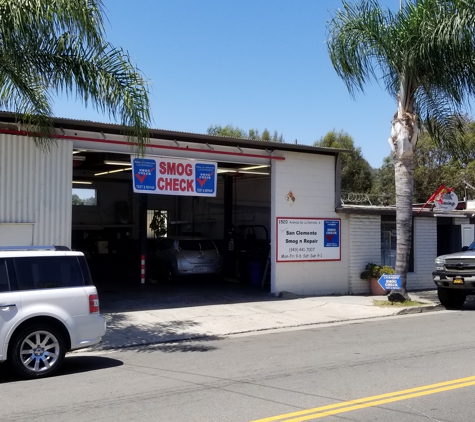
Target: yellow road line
{"x":332,"y":409}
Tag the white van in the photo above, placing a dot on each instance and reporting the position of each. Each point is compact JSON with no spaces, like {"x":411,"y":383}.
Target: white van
{"x":48,"y":306}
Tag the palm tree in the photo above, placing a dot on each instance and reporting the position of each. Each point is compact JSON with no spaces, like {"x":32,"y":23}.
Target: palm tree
{"x":57,"y":46}
{"x":424,"y":56}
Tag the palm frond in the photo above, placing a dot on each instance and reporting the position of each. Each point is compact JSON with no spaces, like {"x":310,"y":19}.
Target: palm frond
{"x":359,"y":44}
{"x":33,"y":19}
{"x":57,"y":46}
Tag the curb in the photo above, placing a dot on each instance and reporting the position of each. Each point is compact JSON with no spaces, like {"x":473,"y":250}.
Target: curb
{"x":421,"y":309}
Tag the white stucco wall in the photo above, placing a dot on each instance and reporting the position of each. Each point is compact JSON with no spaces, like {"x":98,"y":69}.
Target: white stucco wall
{"x":311,"y":178}
{"x":35,"y":190}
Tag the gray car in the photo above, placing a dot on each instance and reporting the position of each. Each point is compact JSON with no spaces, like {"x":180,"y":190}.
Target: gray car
{"x":183,"y":256}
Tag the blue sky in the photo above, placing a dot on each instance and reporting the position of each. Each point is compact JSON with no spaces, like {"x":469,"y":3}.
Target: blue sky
{"x":250,"y":63}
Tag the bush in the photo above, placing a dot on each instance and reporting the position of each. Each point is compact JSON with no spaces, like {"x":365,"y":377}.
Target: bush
{"x":375,"y":271}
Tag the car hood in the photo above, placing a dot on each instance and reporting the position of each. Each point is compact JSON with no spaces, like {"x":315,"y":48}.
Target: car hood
{"x":458,"y":255}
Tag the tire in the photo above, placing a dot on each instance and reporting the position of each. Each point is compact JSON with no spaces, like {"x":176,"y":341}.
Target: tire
{"x":450,"y":298}
{"x":37,"y":351}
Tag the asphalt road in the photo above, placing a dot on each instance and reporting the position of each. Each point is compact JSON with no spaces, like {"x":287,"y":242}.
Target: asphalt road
{"x":420,"y":367}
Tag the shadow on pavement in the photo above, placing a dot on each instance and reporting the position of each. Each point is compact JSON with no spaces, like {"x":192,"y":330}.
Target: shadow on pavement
{"x":431,"y":295}
{"x":184,"y":346}
{"x":133,"y":333}
{"x":73,"y":364}
{"x":123,"y":297}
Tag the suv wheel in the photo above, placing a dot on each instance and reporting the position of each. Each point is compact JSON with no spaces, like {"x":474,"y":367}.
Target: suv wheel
{"x":37,"y":351}
{"x":451,"y":299}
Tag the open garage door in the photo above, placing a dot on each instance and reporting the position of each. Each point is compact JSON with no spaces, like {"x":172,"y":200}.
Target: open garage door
{"x":110,"y":220}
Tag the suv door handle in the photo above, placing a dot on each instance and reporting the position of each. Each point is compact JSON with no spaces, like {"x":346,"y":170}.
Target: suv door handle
{"x":7,"y":306}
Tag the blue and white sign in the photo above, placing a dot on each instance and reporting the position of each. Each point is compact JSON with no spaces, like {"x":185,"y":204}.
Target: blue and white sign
{"x":390,"y":281}
{"x":170,"y":176}
{"x":332,"y":234}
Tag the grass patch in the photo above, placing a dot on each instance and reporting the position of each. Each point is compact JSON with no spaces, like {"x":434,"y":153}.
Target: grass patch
{"x":399,"y":304}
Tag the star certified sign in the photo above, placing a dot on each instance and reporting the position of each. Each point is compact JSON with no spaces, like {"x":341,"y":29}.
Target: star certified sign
{"x":169,"y":176}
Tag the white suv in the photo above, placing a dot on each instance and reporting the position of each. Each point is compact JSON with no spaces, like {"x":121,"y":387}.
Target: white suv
{"x":48,"y":306}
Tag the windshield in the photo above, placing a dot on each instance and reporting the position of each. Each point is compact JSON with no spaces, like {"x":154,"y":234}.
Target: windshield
{"x":471,"y":247}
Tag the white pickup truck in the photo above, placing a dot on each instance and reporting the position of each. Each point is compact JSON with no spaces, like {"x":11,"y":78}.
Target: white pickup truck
{"x":454,"y":277}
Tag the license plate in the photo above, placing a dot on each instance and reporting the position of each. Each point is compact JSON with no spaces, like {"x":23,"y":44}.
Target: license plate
{"x":201,"y":269}
{"x":458,"y":281}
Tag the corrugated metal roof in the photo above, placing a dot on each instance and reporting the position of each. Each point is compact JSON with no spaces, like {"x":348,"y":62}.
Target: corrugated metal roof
{"x":87,"y":125}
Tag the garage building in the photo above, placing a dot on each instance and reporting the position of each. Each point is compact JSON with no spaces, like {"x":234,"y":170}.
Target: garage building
{"x":275,"y":215}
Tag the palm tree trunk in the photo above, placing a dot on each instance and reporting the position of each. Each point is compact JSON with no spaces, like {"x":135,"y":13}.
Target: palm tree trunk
{"x":404,"y":172}
{"x":404,"y":136}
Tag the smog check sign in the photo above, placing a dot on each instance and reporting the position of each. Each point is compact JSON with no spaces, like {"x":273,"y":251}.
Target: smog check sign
{"x":308,"y":239}
{"x":169,"y":176}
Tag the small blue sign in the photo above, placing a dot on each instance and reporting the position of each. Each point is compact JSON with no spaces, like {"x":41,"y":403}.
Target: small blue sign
{"x":331,"y":237}
{"x":145,"y":174}
{"x":390,"y":281}
{"x":205,"y":176}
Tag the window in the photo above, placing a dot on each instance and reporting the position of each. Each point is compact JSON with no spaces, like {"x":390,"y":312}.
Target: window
{"x":48,"y":272}
{"x":83,"y":196}
{"x":389,"y":240}
{"x":157,"y":222}
{"x":4,"y":284}
{"x":388,"y":243}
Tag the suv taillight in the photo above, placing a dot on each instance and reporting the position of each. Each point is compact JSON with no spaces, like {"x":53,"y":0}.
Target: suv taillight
{"x":93,"y":304}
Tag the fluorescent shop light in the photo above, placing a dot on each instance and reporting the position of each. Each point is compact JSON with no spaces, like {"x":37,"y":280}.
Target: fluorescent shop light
{"x":117,"y":163}
{"x":112,"y":171}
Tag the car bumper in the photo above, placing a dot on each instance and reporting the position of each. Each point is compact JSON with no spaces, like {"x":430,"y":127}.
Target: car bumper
{"x":197,"y":270}
{"x":87,"y":330}
{"x":446,"y":279}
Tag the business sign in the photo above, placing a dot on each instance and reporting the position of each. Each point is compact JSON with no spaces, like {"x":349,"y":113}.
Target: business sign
{"x":390,"y":281}
{"x":308,"y":239}
{"x":169,"y":176}
{"x":446,"y":201}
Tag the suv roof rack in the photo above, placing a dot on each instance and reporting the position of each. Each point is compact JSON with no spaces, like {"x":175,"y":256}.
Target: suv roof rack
{"x":35,"y":248}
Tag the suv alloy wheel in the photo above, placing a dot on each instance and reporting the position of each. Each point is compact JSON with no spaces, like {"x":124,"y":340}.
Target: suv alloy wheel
{"x":37,"y":351}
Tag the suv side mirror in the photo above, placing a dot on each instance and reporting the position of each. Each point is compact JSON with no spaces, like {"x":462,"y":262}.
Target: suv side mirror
{"x":464,"y":248}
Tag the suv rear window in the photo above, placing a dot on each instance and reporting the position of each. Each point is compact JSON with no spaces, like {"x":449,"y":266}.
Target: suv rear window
{"x":48,"y":272}
{"x":196,"y":245}
{"x":4,"y":285}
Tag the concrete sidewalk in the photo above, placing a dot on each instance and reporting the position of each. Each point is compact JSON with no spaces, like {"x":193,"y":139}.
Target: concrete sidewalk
{"x":151,"y":326}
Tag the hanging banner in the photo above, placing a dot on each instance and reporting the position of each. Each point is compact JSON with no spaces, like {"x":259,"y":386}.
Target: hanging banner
{"x":170,"y":176}
{"x":308,"y":239}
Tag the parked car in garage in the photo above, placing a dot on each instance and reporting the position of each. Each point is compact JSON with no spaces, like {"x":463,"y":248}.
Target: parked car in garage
{"x":48,"y":306}
{"x":454,"y":277}
{"x":183,"y":256}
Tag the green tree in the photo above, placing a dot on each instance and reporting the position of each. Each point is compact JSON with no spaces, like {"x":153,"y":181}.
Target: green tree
{"x":58,"y":47}
{"x":384,"y":182}
{"x":76,"y":200}
{"x":236,"y":132}
{"x":424,"y":56}
{"x":228,"y":130}
{"x":435,"y":165}
{"x":356,"y":173}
